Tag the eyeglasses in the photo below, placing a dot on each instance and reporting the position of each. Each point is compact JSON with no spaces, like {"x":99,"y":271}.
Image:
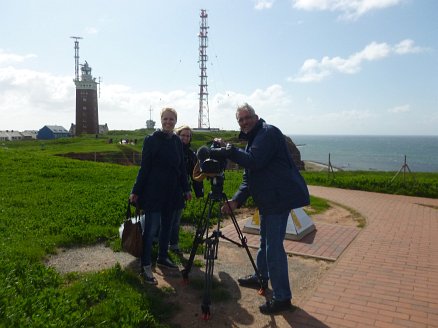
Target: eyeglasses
{"x":245,"y":118}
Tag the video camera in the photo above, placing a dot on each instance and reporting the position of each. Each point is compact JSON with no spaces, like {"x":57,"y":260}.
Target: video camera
{"x":213,"y":159}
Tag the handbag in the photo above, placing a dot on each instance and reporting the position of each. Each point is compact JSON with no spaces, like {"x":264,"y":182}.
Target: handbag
{"x":132,"y":239}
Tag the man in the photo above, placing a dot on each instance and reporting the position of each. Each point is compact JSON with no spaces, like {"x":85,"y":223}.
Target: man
{"x":277,"y":187}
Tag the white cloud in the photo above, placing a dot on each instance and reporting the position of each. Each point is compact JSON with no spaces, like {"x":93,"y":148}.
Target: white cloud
{"x":268,"y":103}
{"x":91,"y":30}
{"x":349,"y":9}
{"x":30,"y":99}
{"x":334,"y":122}
{"x":10,"y":58}
{"x":263,"y":4}
{"x":313,"y":70}
{"x":407,"y":47}
{"x":400,"y":109}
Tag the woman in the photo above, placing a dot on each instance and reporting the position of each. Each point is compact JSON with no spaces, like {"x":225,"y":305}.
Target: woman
{"x":160,"y":190}
{"x":190,"y":159}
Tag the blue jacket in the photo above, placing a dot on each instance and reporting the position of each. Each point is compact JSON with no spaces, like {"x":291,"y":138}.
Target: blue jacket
{"x":162,"y":179}
{"x":270,"y":175}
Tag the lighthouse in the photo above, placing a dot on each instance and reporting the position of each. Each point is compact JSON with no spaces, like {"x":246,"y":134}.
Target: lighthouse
{"x":87,"y":118}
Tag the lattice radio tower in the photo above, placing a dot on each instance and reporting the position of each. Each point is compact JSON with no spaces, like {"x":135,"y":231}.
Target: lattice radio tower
{"x":76,"y":56}
{"x":204,"y":116}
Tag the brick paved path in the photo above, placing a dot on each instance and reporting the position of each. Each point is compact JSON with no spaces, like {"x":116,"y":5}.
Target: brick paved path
{"x":327,"y":242}
{"x":388,"y":276}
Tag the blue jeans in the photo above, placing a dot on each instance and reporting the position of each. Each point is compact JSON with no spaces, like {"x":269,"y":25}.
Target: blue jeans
{"x":271,"y":256}
{"x":174,"y":233}
{"x":154,"y":223}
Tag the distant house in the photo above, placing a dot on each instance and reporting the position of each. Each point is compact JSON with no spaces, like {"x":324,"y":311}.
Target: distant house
{"x":29,"y":134}
{"x":72,"y":129}
{"x":52,"y":132}
{"x":103,"y":128}
{"x":10,"y":135}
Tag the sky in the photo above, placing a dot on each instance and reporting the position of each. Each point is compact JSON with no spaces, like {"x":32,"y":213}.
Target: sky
{"x":325,"y":67}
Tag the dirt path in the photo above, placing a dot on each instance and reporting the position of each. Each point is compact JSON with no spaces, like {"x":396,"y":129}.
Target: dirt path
{"x":240,"y":307}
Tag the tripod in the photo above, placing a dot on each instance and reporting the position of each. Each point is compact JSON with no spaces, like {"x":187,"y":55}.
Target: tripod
{"x":404,"y":167}
{"x":215,"y":196}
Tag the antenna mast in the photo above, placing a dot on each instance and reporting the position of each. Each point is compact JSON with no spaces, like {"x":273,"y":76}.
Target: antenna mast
{"x":99,"y":83}
{"x":149,"y":123}
{"x":76,"y":56}
{"x":204,"y":116}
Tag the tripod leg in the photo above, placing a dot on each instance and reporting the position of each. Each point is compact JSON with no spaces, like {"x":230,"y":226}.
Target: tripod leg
{"x":201,"y":228}
{"x":244,"y":244}
{"x":211,"y":246}
{"x":210,"y":254}
{"x":395,"y":176}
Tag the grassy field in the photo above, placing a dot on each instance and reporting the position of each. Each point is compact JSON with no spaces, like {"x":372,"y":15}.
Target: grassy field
{"x":47,"y":201}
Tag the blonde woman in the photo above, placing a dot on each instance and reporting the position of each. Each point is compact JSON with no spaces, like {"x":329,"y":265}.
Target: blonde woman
{"x":160,"y":189}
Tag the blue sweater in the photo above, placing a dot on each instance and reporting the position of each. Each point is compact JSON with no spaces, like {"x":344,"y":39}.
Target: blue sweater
{"x":270,"y":175}
{"x":162,"y":179}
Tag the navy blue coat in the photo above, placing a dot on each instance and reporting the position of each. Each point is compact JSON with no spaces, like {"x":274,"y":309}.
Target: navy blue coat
{"x":270,"y":175}
{"x":162,"y":179}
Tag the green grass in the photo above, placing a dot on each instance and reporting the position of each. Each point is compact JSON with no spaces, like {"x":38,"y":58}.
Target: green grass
{"x":48,"y":201}
{"x":414,"y":184}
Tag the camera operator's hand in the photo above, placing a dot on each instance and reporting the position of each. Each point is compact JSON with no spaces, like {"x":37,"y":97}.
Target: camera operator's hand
{"x":222,"y":152}
{"x":229,"y":207}
{"x":219,"y":141}
{"x":133,"y":198}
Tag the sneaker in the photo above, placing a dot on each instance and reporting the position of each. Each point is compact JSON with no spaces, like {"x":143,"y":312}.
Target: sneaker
{"x":273,"y":306}
{"x":167,"y":263}
{"x":252,"y":281}
{"x":148,"y":276}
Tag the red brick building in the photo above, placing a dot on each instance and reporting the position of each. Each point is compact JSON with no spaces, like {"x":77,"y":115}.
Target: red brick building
{"x":87,"y":119}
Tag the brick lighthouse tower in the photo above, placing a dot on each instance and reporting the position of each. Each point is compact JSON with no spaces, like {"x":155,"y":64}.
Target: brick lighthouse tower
{"x":87,"y":120}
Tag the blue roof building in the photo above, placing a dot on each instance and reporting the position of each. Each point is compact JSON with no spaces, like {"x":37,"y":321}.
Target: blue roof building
{"x":52,"y":132}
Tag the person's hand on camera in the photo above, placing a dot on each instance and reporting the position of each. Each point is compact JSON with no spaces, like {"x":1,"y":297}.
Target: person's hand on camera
{"x":133,"y":198}
{"x":219,"y":141}
{"x":222,"y":152}
{"x":229,"y":207}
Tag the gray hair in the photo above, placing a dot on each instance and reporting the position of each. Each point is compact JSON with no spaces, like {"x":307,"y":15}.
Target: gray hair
{"x":247,"y":108}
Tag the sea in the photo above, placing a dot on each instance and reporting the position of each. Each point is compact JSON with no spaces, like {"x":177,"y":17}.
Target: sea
{"x":371,"y":153}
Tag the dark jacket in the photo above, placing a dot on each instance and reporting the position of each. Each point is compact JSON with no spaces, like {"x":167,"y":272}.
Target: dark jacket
{"x":162,"y":179}
{"x":190,"y":161}
{"x":270,"y":175}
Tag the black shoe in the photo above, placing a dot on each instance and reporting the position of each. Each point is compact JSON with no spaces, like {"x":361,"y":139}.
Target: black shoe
{"x":252,"y":281}
{"x":273,"y":306}
{"x":177,"y":251}
{"x":148,"y":276}
{"x":167,"y":263}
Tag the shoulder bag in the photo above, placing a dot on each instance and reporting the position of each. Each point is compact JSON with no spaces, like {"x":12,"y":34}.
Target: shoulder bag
{"x":132,"y":239}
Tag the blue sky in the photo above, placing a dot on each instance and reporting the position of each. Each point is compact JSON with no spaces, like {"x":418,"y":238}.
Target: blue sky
{"x":361,"y":67}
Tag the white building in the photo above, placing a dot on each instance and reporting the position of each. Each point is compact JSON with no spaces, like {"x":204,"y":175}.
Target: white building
{"x":10,"y":135}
